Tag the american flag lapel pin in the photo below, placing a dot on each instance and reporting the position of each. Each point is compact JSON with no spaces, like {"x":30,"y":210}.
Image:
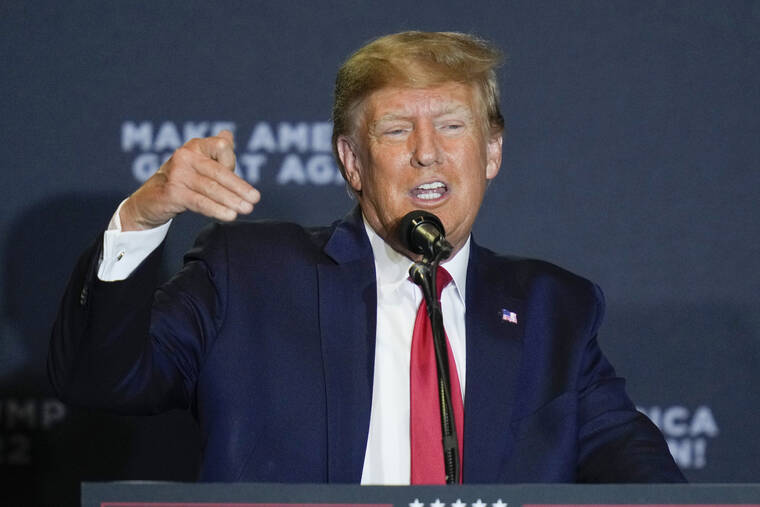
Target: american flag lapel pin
{"x":508,"y":316}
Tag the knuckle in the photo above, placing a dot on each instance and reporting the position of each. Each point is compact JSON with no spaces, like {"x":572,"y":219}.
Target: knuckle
{"x":211,"y":170}
{"x":199,"y":202}
{"x":213,"y":186}
{"x":181,"y":155}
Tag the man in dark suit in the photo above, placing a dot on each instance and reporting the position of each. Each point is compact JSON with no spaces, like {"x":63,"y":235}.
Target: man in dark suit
{"x":291,"y":346}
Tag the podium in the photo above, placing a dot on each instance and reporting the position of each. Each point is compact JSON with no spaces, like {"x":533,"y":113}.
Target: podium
{"x":165,"y":494}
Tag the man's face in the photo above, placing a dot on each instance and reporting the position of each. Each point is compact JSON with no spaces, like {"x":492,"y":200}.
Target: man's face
{"x":421,"y":148}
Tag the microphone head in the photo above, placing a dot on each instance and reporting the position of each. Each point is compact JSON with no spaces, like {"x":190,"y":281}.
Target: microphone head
{"x":414,"y":231}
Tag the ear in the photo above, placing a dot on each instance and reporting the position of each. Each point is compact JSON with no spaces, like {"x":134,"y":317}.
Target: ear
{"x":493,"y":163}
{"x":350,"y":159}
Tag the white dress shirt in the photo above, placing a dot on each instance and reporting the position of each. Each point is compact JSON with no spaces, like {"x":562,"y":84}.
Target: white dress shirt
{"x":124,"y":251}
{"x":387,"y":460}
{"x":387,"y":457}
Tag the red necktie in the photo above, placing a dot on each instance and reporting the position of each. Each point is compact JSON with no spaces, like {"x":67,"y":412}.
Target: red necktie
{"x":425,"y":424}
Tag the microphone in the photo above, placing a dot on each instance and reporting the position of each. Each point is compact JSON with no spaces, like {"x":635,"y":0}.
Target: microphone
{"x":422,"y":232}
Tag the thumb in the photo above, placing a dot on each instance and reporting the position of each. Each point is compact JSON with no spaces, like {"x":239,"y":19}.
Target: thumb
{"x":227,"y":135}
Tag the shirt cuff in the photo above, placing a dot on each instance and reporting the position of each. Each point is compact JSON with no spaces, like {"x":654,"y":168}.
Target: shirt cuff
{"x":123,"y":251}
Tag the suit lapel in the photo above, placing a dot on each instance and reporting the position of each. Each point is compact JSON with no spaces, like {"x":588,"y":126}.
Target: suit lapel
{"x":347,"y":316}
{"x":494,"y":348}
{"x":347,"y":313}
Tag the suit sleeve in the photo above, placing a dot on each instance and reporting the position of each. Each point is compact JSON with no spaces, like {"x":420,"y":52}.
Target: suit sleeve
{"x":130,"y":347}
{"x":616,"y":442}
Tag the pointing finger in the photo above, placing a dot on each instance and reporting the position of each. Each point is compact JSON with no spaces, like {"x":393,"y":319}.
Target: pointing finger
{"x":216,"y":192}
{"x":217,"y":172}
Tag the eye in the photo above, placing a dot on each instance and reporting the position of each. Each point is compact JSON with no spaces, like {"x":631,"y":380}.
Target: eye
{"x":395,"y":132}
{"x":452,"y":127}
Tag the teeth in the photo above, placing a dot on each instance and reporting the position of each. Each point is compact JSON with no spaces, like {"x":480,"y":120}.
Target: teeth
{"x":429,"y":195}
{"x":430,"y":186}
{"x":430,"y":191}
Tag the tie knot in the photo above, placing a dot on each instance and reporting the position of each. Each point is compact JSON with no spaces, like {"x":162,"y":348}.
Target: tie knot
{"x":442,"y":279}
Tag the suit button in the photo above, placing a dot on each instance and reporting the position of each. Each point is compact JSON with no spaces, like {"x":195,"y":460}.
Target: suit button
{"x":83,"y":296}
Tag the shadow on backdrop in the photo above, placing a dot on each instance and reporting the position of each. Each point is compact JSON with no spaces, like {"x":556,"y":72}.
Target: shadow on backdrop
{"x":46,"y":448}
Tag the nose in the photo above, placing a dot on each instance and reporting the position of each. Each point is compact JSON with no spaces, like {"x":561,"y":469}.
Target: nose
{"x":425,"y":149}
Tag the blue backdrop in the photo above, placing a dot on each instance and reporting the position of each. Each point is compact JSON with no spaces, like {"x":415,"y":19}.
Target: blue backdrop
{"x":631,"y":157}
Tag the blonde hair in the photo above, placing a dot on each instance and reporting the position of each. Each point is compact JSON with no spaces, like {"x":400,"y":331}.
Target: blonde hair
{"x":418,"y":60}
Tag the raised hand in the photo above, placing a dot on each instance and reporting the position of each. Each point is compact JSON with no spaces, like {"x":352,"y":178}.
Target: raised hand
{"x":198,"y":177}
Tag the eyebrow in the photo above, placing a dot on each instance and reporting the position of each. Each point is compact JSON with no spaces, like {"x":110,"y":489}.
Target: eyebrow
{"x":449,"y":109}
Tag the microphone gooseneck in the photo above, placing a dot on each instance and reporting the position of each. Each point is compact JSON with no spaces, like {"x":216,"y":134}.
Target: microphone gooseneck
{"x":423,"y":233}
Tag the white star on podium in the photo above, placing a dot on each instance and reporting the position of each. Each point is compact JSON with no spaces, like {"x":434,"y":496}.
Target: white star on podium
{"x":479,"y":503}
{"x":416,"y":503}
{"x":437,"y":503}
{"x":499,"y":503}
{"x":459,"y":503}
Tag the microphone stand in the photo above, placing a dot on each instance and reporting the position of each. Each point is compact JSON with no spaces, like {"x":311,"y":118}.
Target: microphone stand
{"x":423,"y":273}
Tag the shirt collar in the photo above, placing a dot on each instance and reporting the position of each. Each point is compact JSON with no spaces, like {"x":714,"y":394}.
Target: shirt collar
{"x":392,"y":268}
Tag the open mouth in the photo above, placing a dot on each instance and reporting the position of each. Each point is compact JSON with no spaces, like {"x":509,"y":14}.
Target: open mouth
{"x":430,"y":191}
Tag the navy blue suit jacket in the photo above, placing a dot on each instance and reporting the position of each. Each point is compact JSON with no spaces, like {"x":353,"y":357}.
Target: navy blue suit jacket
{"x":267,"y":336}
